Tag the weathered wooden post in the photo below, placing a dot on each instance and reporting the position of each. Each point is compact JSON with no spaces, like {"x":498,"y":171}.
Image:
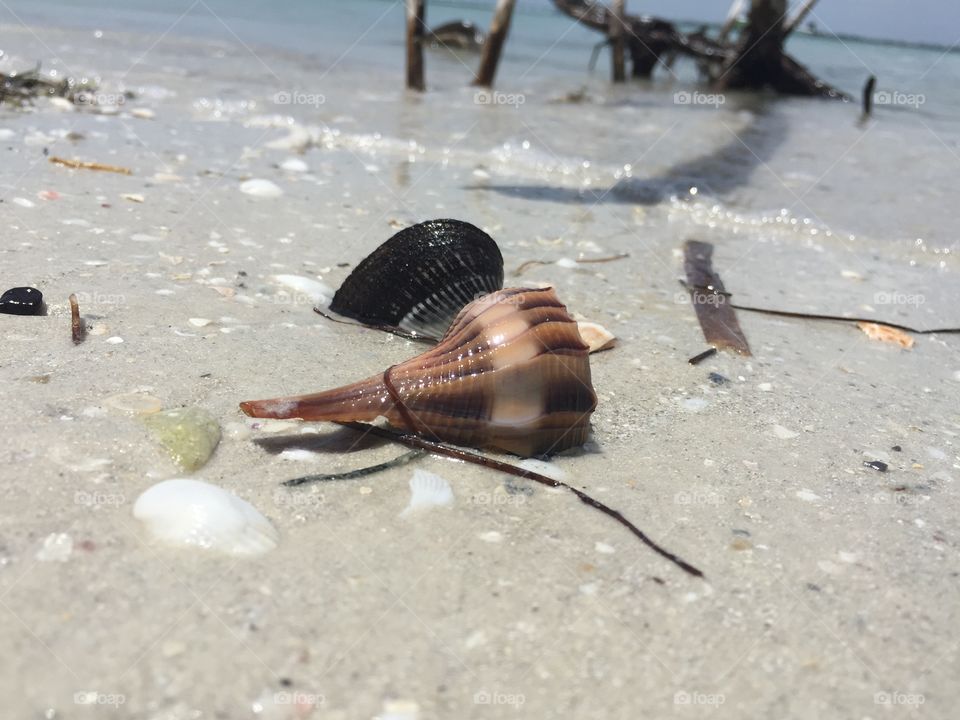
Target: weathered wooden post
{"x":416,"y":17}
{"x":494,"y":44}
{"x":617,"y":31}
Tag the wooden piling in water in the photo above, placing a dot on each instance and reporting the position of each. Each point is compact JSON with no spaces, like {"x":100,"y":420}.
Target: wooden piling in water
{"x":617,"y":32}
{"x":416,"y":18}
{"x":494,"y":44}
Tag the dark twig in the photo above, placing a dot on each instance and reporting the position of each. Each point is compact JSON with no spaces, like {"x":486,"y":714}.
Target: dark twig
{"x":398,"y":461}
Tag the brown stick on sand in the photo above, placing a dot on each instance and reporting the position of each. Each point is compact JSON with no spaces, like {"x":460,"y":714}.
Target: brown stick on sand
{"x":494,"y":44}
{"x":416,"y":19}
{"x":78,"y":330}
{"x":617,"y":30}
{"x":85,"y":165}
{"x":710,"y":301}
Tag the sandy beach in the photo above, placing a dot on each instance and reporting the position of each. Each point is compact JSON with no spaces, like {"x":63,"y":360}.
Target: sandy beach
{"x":830,"y":586}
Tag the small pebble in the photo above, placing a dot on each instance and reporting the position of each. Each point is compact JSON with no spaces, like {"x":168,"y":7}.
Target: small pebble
{"x":718,"y":379}
{"x":807,"y":495}
{"x":491,"y":537}
{"x":115,"y":340}
{"x":143,"y":113}
{"x":876,"y":465}
{"x":21,"y":301}
{"x":199,"y":322}
{"x":23,"y":202}
{"x":602,"y":547}
{"x":133,"y":197}
{"x":764,"y":387}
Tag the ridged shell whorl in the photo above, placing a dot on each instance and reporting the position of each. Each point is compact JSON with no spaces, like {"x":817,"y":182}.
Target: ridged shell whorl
{"x":511,"y":372}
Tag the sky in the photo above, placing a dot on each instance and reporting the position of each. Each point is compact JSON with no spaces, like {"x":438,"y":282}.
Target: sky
{"x":932,"y":21}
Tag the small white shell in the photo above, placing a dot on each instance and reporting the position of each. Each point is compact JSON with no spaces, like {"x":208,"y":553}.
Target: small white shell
{"x":192,"y":513}
{"x":426,"y":491}
{"x":260,"y":188}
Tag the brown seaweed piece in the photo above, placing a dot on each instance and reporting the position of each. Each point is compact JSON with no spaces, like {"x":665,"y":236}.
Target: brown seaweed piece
{"x":710,"y":301}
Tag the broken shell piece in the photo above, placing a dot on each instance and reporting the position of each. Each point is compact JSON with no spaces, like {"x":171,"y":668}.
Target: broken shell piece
{"x":426,"y":491}
{"x":885,"y":333}
{"x":596,"y":336}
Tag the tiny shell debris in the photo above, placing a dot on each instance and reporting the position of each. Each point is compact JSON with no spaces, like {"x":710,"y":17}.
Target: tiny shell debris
{"x":783,"y":433}
{"x":317,"y":292}
{"x":57,"y":547}
{"x":295,"y":165}
{"x":596,"y":336}
{"x":885,"y":333}
{"x":134,"y":403}
{"x":491,"y":536}
{"x":189,"y":434}
{"x":427,"y":491}
{"x":195,"y":514}
{"x":133,"y":197}
{"x":259,"y":187}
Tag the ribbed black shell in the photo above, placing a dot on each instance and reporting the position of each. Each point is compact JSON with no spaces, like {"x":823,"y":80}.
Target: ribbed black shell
{"x":422,"y":277}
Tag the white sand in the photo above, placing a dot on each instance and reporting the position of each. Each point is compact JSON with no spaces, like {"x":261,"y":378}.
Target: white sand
{"x":825,"y":587}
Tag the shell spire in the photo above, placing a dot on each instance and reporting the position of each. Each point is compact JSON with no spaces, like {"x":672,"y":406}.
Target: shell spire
{"x":511,"y":373}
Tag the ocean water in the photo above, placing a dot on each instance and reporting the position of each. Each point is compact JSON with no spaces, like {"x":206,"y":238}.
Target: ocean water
{"x":663,"y":160}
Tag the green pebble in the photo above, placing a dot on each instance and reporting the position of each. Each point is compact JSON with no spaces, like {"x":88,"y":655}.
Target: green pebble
{"x":189,"y":434}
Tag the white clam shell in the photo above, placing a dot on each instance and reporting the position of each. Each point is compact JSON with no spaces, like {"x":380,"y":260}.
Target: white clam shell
{"x":426,"y":491}
{"x":196,"y":514}
{"x":258,"y":187}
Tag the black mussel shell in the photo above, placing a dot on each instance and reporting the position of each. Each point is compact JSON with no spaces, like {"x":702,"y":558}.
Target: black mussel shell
{"x":22,"y":301}
{"x":419,"y":279}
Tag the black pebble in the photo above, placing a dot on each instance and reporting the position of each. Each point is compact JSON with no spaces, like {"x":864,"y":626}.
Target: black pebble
{"x":876,"y":465}
{"x":717,"y":379}
{"x":897,"y":448}
{"x":21,"y":301}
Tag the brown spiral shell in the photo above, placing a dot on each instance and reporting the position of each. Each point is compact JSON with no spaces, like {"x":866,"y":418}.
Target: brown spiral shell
{"x":511,"y":373}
